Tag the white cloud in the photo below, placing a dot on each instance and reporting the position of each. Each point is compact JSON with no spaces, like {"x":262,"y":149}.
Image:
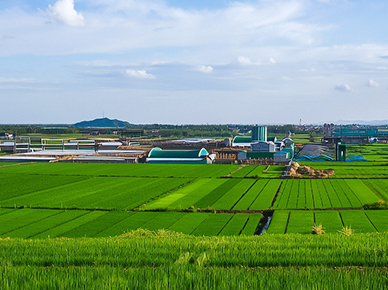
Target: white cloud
{"x":205,"y":69}
{"x":14,"y":80}
{"x":121,"y":26}
{"x":63,"y":11}
{"x":246,"y":61}
{"x":140,"y":74}
{"x":372,"y":83}
{"x":343,"y":88}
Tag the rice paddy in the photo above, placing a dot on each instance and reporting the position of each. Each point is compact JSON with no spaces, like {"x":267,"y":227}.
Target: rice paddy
{"x":148,"y":226}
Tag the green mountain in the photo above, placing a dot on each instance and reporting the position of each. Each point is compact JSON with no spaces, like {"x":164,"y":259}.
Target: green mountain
{"x":102,"y":123}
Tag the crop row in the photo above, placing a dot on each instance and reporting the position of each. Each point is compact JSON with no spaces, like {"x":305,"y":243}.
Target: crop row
{"x":221,"y":194}
{"x":262,"y":171}
{"x":181,"y":262}
{"x":131,"y":170}
{"x":94,"y":192}
{"x":320,"y":194}
{"x":43,"y":223}
{"x":378,"y":186}
{"x":332,"y":221}
{"x":191,"y":276}
{"x":135,"y":250}
{"x":355,"y":171}
{"x":13,"y":185}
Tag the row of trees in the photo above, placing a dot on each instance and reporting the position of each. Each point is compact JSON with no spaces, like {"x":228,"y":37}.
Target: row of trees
{"x":162,"y":130}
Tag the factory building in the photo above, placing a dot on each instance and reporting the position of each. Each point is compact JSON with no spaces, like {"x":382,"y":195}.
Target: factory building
{"x":196,"y":156}
{"x":242,"y":141}
{"x":263,"y":147}
{"x":353,"y":135}
{"x":259,"y":133}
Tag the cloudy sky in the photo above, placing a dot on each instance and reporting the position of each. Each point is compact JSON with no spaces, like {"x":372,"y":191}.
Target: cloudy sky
{"x":180,"y":61}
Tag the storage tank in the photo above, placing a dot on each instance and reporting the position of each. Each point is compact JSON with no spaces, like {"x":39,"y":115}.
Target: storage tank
{"x":259,"y":133}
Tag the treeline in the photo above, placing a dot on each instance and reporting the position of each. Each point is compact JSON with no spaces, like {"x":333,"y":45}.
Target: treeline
{"x":160,"y":130}
{"x":155,"y":130}
{"x":189,"y":131}
{"x":19,"y":130}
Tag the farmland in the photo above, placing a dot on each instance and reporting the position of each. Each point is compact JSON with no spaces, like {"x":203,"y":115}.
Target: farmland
{"x":368,"y":221}
{"x":43,"y":223}
{"x":147,"y":226}
{"x":122,"y":170}
{"x":145,"y":260}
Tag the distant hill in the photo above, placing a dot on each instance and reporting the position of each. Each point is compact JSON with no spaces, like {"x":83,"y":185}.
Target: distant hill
{"x":102,"y":123}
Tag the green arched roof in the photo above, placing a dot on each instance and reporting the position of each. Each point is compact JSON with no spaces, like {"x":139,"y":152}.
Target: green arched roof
{"x":242,"y":139}
{"x":160,"y":153}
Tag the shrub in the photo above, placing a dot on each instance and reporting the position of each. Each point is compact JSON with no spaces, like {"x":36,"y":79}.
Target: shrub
{"x":318,"y":230}
{"x":347,"y":231}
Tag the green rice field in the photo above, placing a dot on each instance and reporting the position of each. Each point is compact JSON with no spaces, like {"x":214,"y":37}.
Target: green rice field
{"x":148,"y":260}
{"x":332,"y":221}
{"x":151,"y":226}
{"x":122,"y":170}
{"x":43,"y":223}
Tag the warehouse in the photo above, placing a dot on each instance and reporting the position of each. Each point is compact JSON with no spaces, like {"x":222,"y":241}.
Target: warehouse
{"x":242,"y":141}
{"x":196,"y":156}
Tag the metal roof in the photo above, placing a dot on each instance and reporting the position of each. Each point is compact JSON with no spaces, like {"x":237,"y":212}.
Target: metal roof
{"x":159,"y":153}
{"x":242,"y":139}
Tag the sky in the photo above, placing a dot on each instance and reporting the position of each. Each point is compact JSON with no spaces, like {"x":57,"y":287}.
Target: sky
{"x":193,"y":62}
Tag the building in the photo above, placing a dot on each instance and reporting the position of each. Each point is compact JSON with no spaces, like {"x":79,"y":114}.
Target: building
{"x":196,"y":156}
{"x":5,"y":136}
{"x":259,"y":133}
{"x":262,"y":146}
{"x":242,"y":141}
{"x":281,"y":156}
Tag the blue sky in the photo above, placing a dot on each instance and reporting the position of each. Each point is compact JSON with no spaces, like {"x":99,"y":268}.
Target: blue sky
{"x":179,"y":62}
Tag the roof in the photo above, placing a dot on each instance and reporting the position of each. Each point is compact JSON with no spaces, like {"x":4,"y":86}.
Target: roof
{"x":281,"y":152}
{"x":242,"y":139}
{"x":177,"y":154}
{"x":178,"y":160}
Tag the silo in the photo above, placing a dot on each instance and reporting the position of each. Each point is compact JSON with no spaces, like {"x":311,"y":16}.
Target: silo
{"x":263,"y":133}
{"x":259,"y":133}
{"x":256,"y":134}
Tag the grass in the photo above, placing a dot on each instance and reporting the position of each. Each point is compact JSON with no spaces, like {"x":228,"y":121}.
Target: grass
{"x":186,"y":262}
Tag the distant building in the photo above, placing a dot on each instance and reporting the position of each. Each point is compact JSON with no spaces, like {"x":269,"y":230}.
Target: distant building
{"x":197,"y":156}
{"x":263,"y":146}
{"x":242,"y":141}
{"x":6,"y":136}
{"x":281,"y":156}
{"x":259,"y":133}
